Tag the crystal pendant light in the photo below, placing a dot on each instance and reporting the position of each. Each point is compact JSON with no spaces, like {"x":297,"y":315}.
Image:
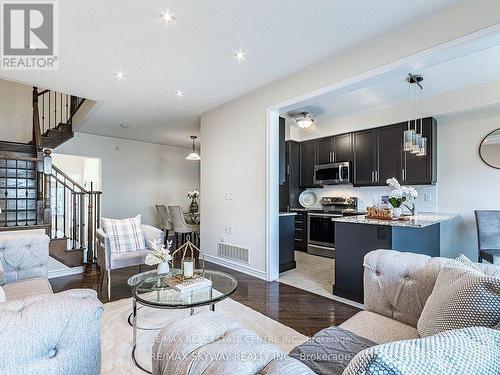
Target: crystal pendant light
{"x":414,"y":141}
{"x":409,"y":132}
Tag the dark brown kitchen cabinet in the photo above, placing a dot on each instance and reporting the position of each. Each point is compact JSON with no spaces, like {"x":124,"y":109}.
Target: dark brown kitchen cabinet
{"x":282,"y":163}
{"x":334,"y":149}
{"x":324,"y":151}
{"x":342,"y":147}
{"x":307,"y":162}
{"x":364,"y":157}
{"x":290,"y":190}
{"x":422,"y":170}
{"x":388,"y":161}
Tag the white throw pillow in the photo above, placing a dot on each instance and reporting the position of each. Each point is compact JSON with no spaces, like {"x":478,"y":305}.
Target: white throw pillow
{"x":463,"y":296}
{"x":124,"y":235}
{"x":2,"y":295}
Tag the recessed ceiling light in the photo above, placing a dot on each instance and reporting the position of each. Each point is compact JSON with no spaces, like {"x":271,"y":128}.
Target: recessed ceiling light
{"x":179,"y":93}
{"x":168,"y":17}
{"x":120,"y":75}
{"x":240,"y":55}
{"x":125,"y":125}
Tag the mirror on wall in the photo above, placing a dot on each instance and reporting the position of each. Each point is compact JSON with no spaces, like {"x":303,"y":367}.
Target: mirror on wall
{"x":489,"y":150}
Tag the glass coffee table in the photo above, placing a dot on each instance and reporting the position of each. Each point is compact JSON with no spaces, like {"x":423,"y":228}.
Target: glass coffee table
{"x":151,"y":290}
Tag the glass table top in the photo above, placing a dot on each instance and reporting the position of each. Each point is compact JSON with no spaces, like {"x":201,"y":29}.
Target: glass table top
{"x":153,"y":290}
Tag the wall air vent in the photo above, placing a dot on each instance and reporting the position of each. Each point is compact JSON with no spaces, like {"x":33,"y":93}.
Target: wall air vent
{"x":233,"y":252}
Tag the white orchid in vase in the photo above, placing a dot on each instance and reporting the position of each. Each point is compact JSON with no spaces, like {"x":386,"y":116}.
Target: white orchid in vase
{"x":401,"y":196}
{"x":159,"y":255}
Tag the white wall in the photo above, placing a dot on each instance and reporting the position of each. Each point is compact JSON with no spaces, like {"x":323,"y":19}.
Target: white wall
{"x":83,"y":170}
{"x":137,"y":175}
{"x":234,"y":134}
{"x":16,"y":116}
{"x":465,"y":182}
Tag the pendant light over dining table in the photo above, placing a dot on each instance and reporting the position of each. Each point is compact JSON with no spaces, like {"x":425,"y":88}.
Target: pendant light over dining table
{"x":193,"y":155}
{"x":414,"y":141}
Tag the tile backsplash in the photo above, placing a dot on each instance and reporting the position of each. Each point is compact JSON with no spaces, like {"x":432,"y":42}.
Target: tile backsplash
{"x":367,"y":196}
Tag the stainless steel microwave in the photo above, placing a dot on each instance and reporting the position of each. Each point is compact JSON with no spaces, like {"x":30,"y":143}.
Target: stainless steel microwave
{"x":332,"y":174}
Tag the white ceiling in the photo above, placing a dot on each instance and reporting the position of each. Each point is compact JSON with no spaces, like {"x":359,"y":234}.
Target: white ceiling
{"x":466,"y":71}
{"x":195,"y":54}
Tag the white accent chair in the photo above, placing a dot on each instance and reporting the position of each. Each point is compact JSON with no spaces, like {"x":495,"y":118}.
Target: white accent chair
{"x":109,"y":261}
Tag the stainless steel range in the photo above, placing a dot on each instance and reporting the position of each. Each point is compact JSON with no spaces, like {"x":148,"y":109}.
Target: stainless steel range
{"x":321,"y":224}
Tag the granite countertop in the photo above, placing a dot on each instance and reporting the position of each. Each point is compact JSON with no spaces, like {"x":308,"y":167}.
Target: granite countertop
{"x":287,"y":214}
{"x":421,"y":220}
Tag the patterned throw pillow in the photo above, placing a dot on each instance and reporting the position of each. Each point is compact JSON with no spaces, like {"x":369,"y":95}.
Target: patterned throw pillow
{"x":124,"y":235}
{"x":464,"y":351}
{"x":463,"y":296}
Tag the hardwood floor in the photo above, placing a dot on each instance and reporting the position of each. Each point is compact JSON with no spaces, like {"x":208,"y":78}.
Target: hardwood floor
{"x":303,"y":311}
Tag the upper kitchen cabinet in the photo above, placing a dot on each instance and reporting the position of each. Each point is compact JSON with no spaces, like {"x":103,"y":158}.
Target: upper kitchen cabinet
{"x":342,"y":147}
{"x":307,"y":162}
{"x":334,"y":149}
{"x":389,"y":142}
{"x":282,"y":162}
{"x":364,"y":157}
{"x":422,"y":170}
{"x":324,"y":150}
{"x":290,"y":190}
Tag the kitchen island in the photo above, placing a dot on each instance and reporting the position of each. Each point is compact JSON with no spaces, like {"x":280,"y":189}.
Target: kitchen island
{"x":426,"y":233}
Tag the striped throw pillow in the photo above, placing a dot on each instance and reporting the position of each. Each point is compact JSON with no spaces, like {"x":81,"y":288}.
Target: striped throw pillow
{"x":463,"y":296}
{"x":124,"y":235}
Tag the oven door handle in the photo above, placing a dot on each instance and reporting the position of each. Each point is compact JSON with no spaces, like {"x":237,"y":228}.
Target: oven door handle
{"x":324,"y":215}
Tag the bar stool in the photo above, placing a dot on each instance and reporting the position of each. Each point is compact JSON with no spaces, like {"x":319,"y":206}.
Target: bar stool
{"x":488,"y":235}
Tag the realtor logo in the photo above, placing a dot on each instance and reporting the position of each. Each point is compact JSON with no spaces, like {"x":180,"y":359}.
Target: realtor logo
{"x":30,"y":35}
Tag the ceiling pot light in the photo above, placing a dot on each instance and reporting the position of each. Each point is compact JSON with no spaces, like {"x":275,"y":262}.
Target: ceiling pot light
{"x":193,"y":155}
{"x":125,"y":125}
{"x":168,"y":17}
{"x":179,"y":93}
{"x":304,"y":120}
{"x":119,"y":75}
{"x":240,"y":55}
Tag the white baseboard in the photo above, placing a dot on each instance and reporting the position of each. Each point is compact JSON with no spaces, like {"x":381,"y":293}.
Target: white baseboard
{"x":65,"y":272}
{"x":235,"y":266}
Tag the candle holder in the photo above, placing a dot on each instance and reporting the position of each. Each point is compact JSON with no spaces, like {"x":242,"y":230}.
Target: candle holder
{"x":188,"y":269}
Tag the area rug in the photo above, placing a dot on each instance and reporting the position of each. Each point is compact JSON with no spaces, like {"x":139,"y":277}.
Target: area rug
{"x":117,"y":333}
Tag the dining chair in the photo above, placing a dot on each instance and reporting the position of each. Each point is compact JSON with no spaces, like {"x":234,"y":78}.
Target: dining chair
{"x":488,"y":235}
{"x":181,"y":227}
{"x":165,"y":219}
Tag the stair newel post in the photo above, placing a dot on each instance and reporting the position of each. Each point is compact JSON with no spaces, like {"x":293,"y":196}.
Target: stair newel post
{"x":47,"y":212}
{"x":37,"y":133}
{"x":90,"y":225}
{"x":83,"y":243}
{"x":73,"y":202}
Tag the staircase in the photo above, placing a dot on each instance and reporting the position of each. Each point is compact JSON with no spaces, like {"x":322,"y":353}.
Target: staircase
{"x":53,"y":114}
{"x":34,"y":194}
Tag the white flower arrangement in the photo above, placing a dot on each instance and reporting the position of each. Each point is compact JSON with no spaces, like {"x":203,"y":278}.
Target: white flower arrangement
{"x":159,"y":253}
{"x":400,"y":194}
{"x":193,"y":194}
